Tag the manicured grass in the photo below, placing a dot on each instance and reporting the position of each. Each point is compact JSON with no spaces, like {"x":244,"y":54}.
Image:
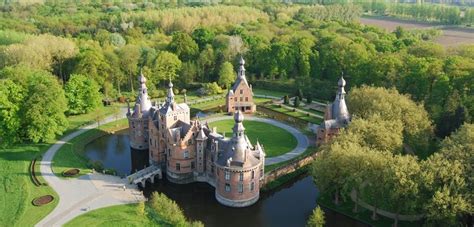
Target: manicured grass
{"x":275,"y":140}
{"x":70,"y":155}
{"x":17,"y":190}
{"x":209,"y":104}
{"x":295,"y":114}
{"x":120,"y":215}
{"x":257,"y":91}
{"x":76,"y":121}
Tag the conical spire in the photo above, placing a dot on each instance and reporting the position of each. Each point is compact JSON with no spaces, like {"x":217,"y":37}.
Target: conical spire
{"x":240,"y":144}
{"x":170,"y":96}
{"x":142,"y":104}
{"x":241,"y":73}
{"x":341,"y":92}
{"x":339,"y":107}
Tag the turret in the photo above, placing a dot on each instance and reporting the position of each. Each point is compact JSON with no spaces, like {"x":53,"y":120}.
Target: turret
{"x":339,"y":107}
{"x":138,"y":120}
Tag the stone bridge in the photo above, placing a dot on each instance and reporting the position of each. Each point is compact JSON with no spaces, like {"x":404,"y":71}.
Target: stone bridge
{"x":143,"y":175}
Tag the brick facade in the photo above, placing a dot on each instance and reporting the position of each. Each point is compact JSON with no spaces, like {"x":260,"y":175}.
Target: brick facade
{"x":189,"y":151}
{"x":240,"y":96}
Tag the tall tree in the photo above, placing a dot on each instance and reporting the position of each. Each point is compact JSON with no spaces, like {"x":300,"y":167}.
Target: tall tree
{"x":226,"y":75}
{"x":82,"y":94}
{"x":44,"y":108}
{"x":166,"y":66}
{"x":11,"y":97}
{"x":129,"y":57}
{"x":317,"y":218}
{"x":184,"y":46}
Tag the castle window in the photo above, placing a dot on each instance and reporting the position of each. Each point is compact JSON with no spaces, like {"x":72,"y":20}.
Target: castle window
{"x":178,"y":167}
{"x":212,"y":169}
{"x":261,"y":172}
{"x":253,"y":174}
{"x":241,"y":99}
{"x":193,"y":165}
{"x":133,"y":124}
{"x":241,"y":188}
{"x":246,"y":99}
{"x":241,"y":177}
{"x":235,"y":99}
{"x":186,"y":154}
{"x":252,"y":186}
{"x":241,"y":91}
{"x":227,"y":175}
{"x":227,"y":187}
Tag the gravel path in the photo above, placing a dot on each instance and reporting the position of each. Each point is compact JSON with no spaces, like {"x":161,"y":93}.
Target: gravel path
{"x":301,"y":138}
{"x":88,"y":192}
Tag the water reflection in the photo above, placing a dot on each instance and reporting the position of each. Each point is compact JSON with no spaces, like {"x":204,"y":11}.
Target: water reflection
{"x":289,"y":205}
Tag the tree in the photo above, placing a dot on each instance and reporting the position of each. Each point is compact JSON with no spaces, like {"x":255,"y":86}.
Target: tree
{"x":167,"y":65}
{"x":129,"y":56}
{"x":296,"y":103}
{"x":184,"y":46}
{"x":286,"y":100}
{"x":211,"y":89}
{"x":446,"y":189}
{"x":82,"y":94}
{"x":188,"y":73}
{"x":226,"y":75}
{"x":11,"y":97}
{"x":44,"y":108}
{"x":203,"y":36}
{"x":366,"y":101}
{"x":99,"y":116}
{"x":92,"y":63}
{"x":317,"y":218}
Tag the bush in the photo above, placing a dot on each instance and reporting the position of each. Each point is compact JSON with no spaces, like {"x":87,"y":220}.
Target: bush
{"x":286,"y":100}
{"x":296,"y":103}
{"x":210,"y":89}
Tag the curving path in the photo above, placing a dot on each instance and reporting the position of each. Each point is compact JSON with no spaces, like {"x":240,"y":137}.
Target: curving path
{"x":92,"y":191}
{"x":88,"y":192}
{"x":302,"y":139}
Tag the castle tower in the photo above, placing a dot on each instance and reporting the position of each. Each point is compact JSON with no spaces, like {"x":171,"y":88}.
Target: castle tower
{"x":201,"y":143}
{"x":240,"y":96}
{"x":138,"y":120}
{"x":336,"y":116}
{"x":239,"y":169}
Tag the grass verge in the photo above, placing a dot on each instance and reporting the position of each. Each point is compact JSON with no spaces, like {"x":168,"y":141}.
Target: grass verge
{"x":120,"y":215}
{"x":70,"y":155}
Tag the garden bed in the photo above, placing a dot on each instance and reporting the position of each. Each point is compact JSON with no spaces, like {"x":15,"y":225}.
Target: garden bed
{"x":71,"y":172}
{"x":42,"y":200}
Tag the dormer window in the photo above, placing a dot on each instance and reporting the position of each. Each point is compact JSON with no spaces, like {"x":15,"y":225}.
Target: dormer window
{"x":241,"y":91}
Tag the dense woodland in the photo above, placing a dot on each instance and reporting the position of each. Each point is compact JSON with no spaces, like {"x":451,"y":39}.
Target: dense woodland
{"x":63,"y":59}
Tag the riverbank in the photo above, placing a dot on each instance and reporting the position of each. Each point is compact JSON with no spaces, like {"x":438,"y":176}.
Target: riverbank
{"x":71,"y":155}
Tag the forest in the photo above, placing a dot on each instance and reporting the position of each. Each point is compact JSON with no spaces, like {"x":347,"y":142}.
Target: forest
{"x":63,"y":59}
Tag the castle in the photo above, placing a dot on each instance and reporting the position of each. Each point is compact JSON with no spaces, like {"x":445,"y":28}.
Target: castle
{"x":189,"y":151}
{"x":240,"y":96}
{"x":336,"y":116}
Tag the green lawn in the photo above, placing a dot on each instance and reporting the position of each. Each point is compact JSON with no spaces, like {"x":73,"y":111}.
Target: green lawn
{"x":275,"y":140}
{"x":70,"y":154}
{"x":76,"y":121}
{"x":120,"y":215}
{"x":17,"y":189}
{"x":257,"y":91}
{"x":295,"y":114}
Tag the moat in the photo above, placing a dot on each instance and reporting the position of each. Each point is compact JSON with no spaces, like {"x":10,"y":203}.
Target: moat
{"x":288,"y":205}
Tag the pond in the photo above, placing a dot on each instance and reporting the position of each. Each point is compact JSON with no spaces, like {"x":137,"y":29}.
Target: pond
{"x":288,"y":205}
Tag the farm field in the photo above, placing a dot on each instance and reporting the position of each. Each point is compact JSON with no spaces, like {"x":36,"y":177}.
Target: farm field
{"x":452,"y":36}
